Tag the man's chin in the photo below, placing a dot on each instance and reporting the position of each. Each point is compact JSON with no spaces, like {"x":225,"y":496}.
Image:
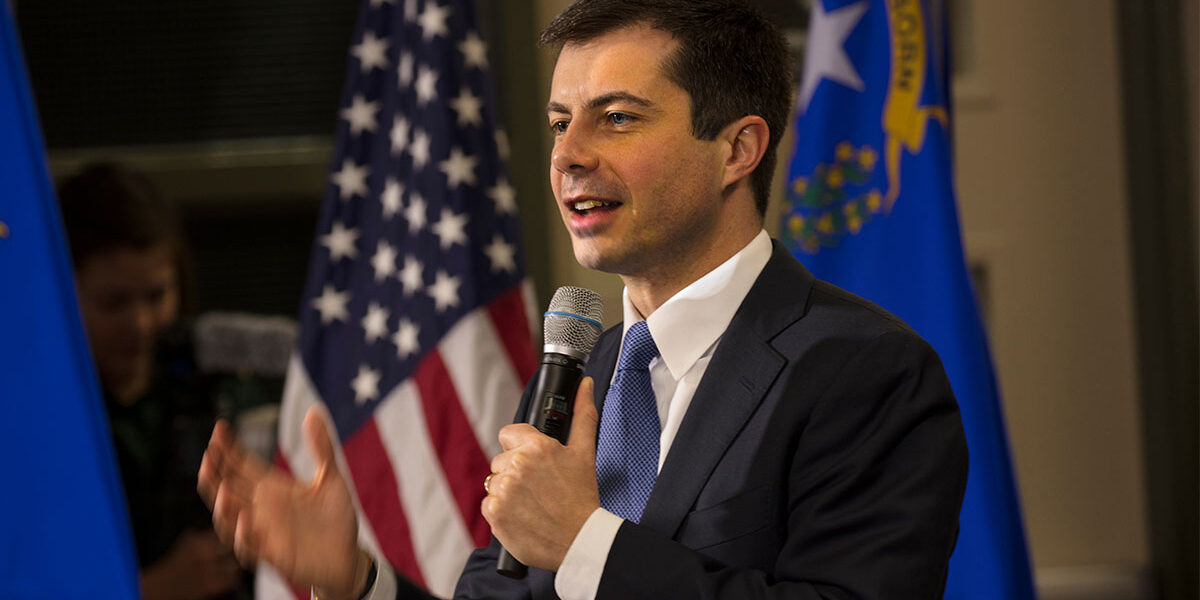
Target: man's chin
{"x":127,"y":384}
{"x":591,"y":257}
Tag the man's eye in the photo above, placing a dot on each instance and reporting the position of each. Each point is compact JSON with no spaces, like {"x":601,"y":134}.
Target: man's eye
{"x":619,"y":118}
{"x":558,"y":127}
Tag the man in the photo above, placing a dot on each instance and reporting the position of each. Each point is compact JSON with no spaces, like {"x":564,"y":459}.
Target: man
{"x":807,"y":443}
{"x":126,"y":246}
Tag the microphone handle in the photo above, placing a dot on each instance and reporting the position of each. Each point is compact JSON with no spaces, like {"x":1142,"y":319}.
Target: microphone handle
{"x":550,"y":409}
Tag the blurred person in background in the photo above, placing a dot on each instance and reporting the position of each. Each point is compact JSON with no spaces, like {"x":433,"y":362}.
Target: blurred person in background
{"x":128,"y":253}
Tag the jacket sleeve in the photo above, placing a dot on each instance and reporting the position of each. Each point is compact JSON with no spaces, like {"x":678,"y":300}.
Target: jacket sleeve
{"x":872,"y":495}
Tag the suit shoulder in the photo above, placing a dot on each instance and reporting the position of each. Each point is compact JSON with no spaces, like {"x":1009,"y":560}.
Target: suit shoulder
{"x":849,"y":313}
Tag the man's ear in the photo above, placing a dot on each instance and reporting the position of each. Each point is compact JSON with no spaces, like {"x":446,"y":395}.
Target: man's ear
{"x":747,"y":138}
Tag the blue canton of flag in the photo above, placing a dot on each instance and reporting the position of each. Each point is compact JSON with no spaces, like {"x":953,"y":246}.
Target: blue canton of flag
{"x":414,"y":323}
{"x":871,"y":208}
{"x":63,"y":520}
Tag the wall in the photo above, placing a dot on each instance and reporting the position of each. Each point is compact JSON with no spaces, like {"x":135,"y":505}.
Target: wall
{"x":1041,"y":181}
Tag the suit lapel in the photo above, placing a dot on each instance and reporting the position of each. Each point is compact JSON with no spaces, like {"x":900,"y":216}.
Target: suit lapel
{"x":742,"y":369}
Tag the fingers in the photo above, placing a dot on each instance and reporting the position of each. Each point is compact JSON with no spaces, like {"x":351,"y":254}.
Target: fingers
{"x":225,"y":515}
{"x":235,"y":459}
{"x":512,"y":436}
{"x":207,"y":480}
{"x":319,"y":442}
{"x":227,"y":464}
{"x":209,"y":477}
{"x":586,"y":421}
{"x":245,"y":540}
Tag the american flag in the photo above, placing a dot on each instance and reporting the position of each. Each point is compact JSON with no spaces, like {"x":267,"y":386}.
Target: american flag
{"x":414,"y":325}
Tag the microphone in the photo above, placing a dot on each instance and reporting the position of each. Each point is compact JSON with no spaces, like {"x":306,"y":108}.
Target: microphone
{"x":571,"y":328}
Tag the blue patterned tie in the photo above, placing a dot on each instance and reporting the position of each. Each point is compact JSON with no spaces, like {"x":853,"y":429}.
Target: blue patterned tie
{"x":627,"y":449}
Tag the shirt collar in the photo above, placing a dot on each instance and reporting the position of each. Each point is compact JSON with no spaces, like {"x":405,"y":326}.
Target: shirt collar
{"x":691,"y":321}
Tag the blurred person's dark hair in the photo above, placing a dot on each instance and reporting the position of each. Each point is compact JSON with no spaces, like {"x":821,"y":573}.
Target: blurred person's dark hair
{"x":731,"y":61}
{"x":107,"y":207}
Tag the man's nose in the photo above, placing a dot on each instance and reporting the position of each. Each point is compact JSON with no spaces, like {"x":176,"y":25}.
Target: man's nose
{"x":145,"y":320}
{"x":573,"y":151}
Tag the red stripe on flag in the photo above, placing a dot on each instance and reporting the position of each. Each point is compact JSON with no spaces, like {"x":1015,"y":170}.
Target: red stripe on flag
{"x":281,"y":461}
{"x":379,"y":496}
{"x":453,"y":439}
{"x":508,"y":316}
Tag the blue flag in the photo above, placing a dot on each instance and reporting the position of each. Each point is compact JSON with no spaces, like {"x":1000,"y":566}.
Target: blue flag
{"x":871,"y":208}
{"x":64,"y":532}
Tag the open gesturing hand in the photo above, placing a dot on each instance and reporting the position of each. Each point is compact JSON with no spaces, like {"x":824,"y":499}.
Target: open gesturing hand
{"x":307,"y":532}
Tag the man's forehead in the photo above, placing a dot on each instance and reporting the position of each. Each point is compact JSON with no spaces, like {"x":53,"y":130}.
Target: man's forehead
{"x":624,"y":64}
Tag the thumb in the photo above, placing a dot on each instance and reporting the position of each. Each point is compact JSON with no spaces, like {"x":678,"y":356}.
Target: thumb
{"x":586,"y":420}
{"x":320,"y":444}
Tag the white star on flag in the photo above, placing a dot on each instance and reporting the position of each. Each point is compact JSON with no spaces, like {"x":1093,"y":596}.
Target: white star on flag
{"x":342,"y":242}
{"x":459,"y":168}
{"x":371,"y":52}
{"x":444,"y":291}
{"x":426,"y":85}
{"x":433,"y":21}
{"x":825,"y":57}
{"x":351,"y":180}
{"x":384,"y":261}
{"x":375,"y":323}
{"x":399,"y":135}
{"x":410,"y":276}
{"x":365,"y":385}
{"x":404,"y":72}
{"x":360,"y":114}
{"x":406,"y":339}
{"x":474,"y":51}
{"x":501,"y":143}
{"x":332,"y":305}
{"x":451,"y":228}
{"x":420,"y":148}
{"x":467,"y":106}
{"x":390,"y":198}
{"x":502,"y":254}
{"x":504,"y":196}
{"x":415,"y":213}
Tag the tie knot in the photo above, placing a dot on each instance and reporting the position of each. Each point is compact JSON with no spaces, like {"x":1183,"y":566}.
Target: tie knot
{"x":638,"y":349}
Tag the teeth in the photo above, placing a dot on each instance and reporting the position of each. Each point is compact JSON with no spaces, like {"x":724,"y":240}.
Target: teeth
{"x":590,"y":204}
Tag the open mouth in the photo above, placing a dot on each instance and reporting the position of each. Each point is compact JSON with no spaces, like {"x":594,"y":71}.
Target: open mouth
{"x":584,"y":207}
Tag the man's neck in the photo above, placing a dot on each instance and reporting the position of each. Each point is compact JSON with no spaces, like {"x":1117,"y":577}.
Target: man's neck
{"x":647,"y":292}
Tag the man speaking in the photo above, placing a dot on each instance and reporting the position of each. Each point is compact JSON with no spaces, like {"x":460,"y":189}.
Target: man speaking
{"x":747,"y":432}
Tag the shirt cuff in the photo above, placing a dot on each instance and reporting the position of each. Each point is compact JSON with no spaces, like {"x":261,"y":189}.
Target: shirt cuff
{"x":385,"y":582}
{"x":578,"y":576}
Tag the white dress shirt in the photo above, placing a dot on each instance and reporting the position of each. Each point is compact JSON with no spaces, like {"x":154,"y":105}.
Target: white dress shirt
{"x":686,"y":330}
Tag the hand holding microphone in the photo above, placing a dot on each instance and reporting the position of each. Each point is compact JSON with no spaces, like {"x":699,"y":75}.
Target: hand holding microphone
{"x":541,"y":491}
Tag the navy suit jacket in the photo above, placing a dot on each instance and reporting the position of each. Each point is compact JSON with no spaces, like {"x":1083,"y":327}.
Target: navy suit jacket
{"x":822,"y":457}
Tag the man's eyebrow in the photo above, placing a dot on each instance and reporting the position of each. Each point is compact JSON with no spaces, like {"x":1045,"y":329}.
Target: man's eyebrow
{"x":598,"y":101}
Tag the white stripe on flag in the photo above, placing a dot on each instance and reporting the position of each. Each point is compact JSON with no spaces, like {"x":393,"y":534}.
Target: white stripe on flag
{"x":439,"y":537}
{"x":298,"y":396}
{"x":482,"y":373}
{"x":269,"y":584}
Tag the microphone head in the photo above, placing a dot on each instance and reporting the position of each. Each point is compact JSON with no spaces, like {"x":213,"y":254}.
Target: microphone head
{"x":573,"y":321}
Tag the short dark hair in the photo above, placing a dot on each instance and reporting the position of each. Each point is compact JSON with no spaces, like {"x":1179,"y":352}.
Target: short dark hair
{"x":731,"y":61}
{"x":108,"y":207}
